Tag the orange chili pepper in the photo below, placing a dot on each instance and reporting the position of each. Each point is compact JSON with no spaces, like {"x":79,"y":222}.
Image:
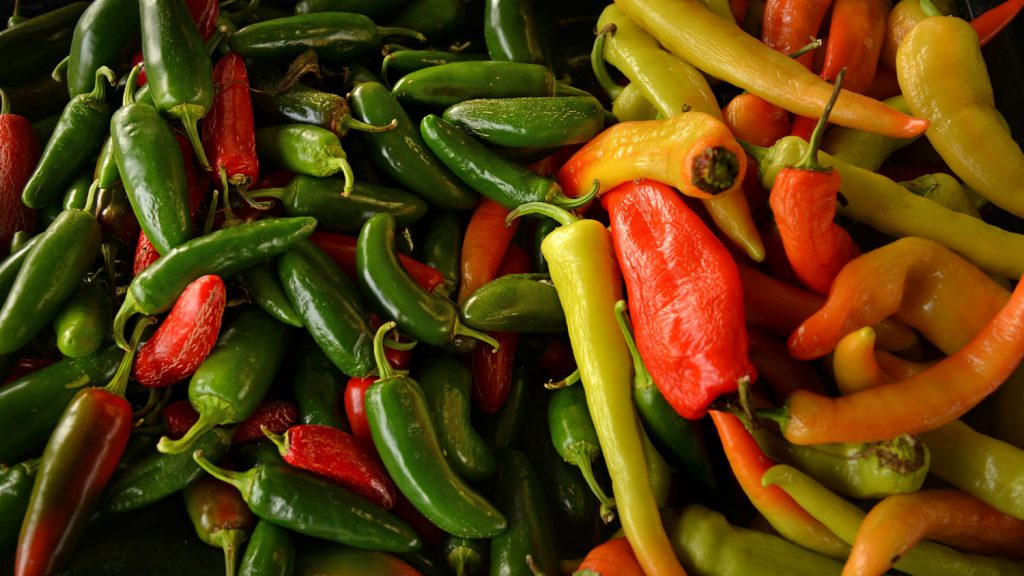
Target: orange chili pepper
{"x":613,"y":558}
{"x":789,"y":24}
{"x":484,"y":245}
{"x":693,"y":152}
{"x":858,"y":366}
{"x":754,"y":120}
{"x":898,"y":522}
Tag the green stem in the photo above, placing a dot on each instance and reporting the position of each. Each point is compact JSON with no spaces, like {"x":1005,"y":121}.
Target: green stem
{"x":715,"y":169}
{"x":242,"y":481}
{"x":582,"y":456}
{"x":563,"y":201}
{"x":560,"y":215}
{"x":129,"y":88}
{"x":463,"y":330}
{"x":278,"y":439}
{"x":90,"y":197}
{"x":189,"y":115}
{"x":929,"y":8}
{"x":383,"y":31}
{"x":58,"y":71}
{"x":119,"y":383}
{"x":231,"y":541}
{"x":777,"y":415}
{"x":813,"y":45}
{"x":350,"y":123}
{"x":564,"y":382}
{"x":211,"y":214}
{"x":128,"y":309}
{"x":642,"y":377}
{"x":598,"y":65}
{"x":99,"y":89}
{"x":810,"y":158}
{"x":758,"y":153}
{"x":384,"y":369}
{"x":276,"y":193}
{"x":340,"y":162}
{"x":252,"y":202}
{"x":212,"y":412}
{"x":5,"y":104}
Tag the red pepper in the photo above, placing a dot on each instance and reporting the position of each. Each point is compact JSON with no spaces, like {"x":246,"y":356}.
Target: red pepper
{"x":275,"y":416}
{"x":789,"y":24}
{"x":178,"y":417}
{"x":992,"y":22}
{"x":19,"y":153}
{"x":229,"y":132}
{"x":684,"y":294}
{"x":197,"y":183}
{"x":145,"y":254}
{"x":337,"y":455}
{"x":186,"y":335}
{"x":803,"y":200}
{"x":355,"y":408}
{"x":204,"y":14}
{"x":220,"y":516}
{"x":342,"y":249}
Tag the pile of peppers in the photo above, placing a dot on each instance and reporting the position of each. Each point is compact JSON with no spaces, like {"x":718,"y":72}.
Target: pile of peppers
{"x":435,"y":287}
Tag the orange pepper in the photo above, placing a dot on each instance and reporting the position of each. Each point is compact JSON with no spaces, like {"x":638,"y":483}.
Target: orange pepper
{"x":484,"y":245}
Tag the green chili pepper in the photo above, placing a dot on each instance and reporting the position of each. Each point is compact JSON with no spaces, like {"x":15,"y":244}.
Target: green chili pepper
{"x":426,"y":317}
{"x":464,"y":556}
{"x":264,"y":286}
{"x":438,"y":87}
{"x":401,"y":62}
{"x":330,"y":306}
{"x":325,"y":559}
{"x":544,"y":226}
{"x":407,"y":441}
{"x":529,"y":122}
{"x":15,"y":489}
{"x":220,"y":517}
{"x":441,"y":247}
{"x":527,"y":546}
{"x":37,"y":44}
{"x":11,"y":265}
{"x":504,"y":181}
{"x":77,"y":193}
{"x":270,"y":552}
{"x":304,"y":149}
{"x":76,"y":138}
{"x":83,"y":321}
{"x":225,"y":252}
{"x":337,"y":37}
{"x":152,"y":170}
{"x":232,"y":381}
{"x":371,"y":8}
{"x":515,"y":303}
{"x":317,"y":386}
{"x":505,"y":428}
{"x":434,"y":18}
{"x":403,"y":155}
{"x":945,"y":190}
{"x":512,"y":32}
{"x":178,"y":68}
{"x":103,"y":35}
{"x":445,"y":383}
{"x":574,"y":436}
{"x":316,"y":507}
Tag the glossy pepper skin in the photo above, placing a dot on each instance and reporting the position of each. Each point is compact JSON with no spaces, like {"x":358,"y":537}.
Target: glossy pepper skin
{"x":304,"y":149}
{"x":574,"y":437}
{"x":371,"y":8}
{"x":317,"y":386}
{"x":398,"y":63}
{"x":441,"y":249}
{"x":273,"y":415}
{"x":228,"y":136}
{"x":269,"y":552}
{"x":444,"y":85}
{"x":690,"y":330}
{"x":15,"y":490}
{"x":529,"y":538}
{"x":83,"y":322}
{"x":48,"y":34}
{"x":103,"y":35}
{"x":264,"y":286}
{"x":19,"y":153}
{"x":220,"y":517}
{"x":523,"y":122}
{"x":515,"y":303}
{"x":406,"y":439}
{"x":512,"y":32}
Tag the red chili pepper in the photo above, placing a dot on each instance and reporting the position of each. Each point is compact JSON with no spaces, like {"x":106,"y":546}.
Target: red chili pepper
{"x":803,"y":200}
{"x":204,"y":14}
{"x":197,"y":183}
{"x":484,"y":245}
{"x":557,"y":361}
{"x":739,"y":9}
{"x":789,"y":24}
{"x":684,"y":294}
{"x":275,"y":416}
{"x":337,"y":455}
{"x":992,"y":22}
{"x":342,"y":249}
{"x":178,"y":417}
{"x":355,"y":408}
{"x":19,"y":153}
{"x":229,"y":133}
{"x":186,"y":335}
{"x":145,"y":254}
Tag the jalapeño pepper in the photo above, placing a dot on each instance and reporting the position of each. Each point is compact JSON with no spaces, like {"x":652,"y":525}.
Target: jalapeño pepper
{"x":270,"y":551}
{"x":439,"y":87}
{"x":440,"y":249}
{"x":84,"y":321}
{"x":304,"y":149}
{"x":317,"y":385}
{"x":15,"y":489}
{"x":401,"y":62}
{"x":529,"y":122}
{"x":102,"y":36}
{"x":48,"y":36}
{"x":264,"y":286}
{"x":515,"y":303}
{"x":529,"y":540}
{"x":512,"y":32}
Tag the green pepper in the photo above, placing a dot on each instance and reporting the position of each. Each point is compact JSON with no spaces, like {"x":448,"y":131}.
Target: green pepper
{"x":76,"y":138}
{"x":220,"y":517}
{"x":317,"y":386}
{"x":270,"y":552}
{"x":515,"y":303}
{"x":441,"y":248}
{"x":322,"y":199}
{"x":434,"y":18}
{"x":77,"y":193}
{"x":158,"y":475}
{"x":304,"y":149}
{"x":403,"y":155}
{"x":44,"y":127}
{"x":15,"y":489}
{"x":464,"y":556}
{"x":543,"y":227}
{"x":323,"y":559}
{"x":33,"y":47}
{"x":371,"y":8}
{"x":544,"y":121}
{"x":11,"y":265}
{"x":505,"y":428}
{"x":401,"y":62}
{"x":83,"y":321}
{"x":445,"y":383}
{"x":337,"y":37}
{"x":232,"y":381}
{"x":152,"y":170}
{"x":178,"y":68}
{"x":946,"y":190}
{"x":527,"y":546}
{"x":512,"y":32}
{"x":407,"y":441}
{"x":316,"y":507}
{"x":225,"y":252}
{"x":264,"y":287}
{"x":330,"y":306}
{"x":490,"y":174}
{"x":575,"y":439}
{"x":103,"y":35}
{"x":439,"y":87}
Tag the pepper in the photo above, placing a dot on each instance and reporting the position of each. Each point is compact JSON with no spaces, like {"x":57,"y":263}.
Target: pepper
{"x":229,"y":138}
{"x":219,"y":516}
{"x":446,"y":386}
{"x":492,"y":371}
{"x":614,"y":556}
{"x":946,"y":190}
{"x":515,"y":303}
{"x":426,"y":317}
{"x":178,"y":68}
{"x":49,"y":37}
{"x":83,"y":322}
{"x":990,"y":23}
{"x":355,"y":409}
{"x":229,"y":385}
{"x":693,"y":151}
{"x":905,"y":14}
{"x":529,"y":122}
{"x":575,"y":439}
{"x":342,"y":249}
{"x":103,"y":35}
{"x":687,"y":28}
{"x":407,"y":441}
{"x":527,"y":546}
{"x":434,"y":18}
{"x":484,"y":244}
{"x":787,"y":24}
{"x":400,"y":62}
{"x":865,"y":150}
{"x":19,"y":153}
{"x":317,"y":386}
{"x":444,"y":85}
{"x":330,"y":306}
{"x":350,"y":561}
{"x":304,"y":149}
{"x":631,"y":104}
{"x":15,"y":490}
{"x":506,"y":427}
{"x":512,"y":32}
{"x":185,"y":337}
{"x":753,"y":120}
{"x":371,"y":8}
{"x":464,"y":556}
{"x":270,"y":551}
{"x":582,"y":263}
{"x":273,"y":416}
{"x":441,"y":249}
{"x":337,"y":455}
{"x":402,"y":154}
{"x":264,"y":287}
{"x":10,"y":266}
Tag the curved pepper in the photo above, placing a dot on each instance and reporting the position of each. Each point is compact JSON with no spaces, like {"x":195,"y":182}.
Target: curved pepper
{"x":83,"y":322}
{"x":304,"y":149}
{"x":220,"y":517}
{"x":402,"y":61}
{"x":529,"y":122}
{"x":515,"y":303}
{"x":512,"y":32}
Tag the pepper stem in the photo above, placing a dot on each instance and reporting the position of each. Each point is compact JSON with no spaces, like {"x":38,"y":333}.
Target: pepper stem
{"x":230,"y":541}
{"x":99,"y":89}
{"x":58,"y":71}
{"x":715,"y":169}
{"x":582,"y":455}
{"x":128,"y":309}
{"x":384,"y":369}
{"x":810,"y":158}
{"x":777,"y":415}
{"x":5,"y":104}
{"x":597,"y":63}
{"x":276,"y":193}
{"x":564,"y":382}
{"x":560,"y":215}
{"x":383,"y":31}
{"x":212,"y":213}
{"x":929,"y":8}
{"x":463,"y":330}
{"x":350,"y":123}
{"x":563,"y":201}
{"x":252,"y":202}
{"x":229,"y":215}
{"x":119,"y":383}
{"x":129,"y":88}
{"x":212,"y":412}
{"x":642,"y":377}
{"x":279,"y":440}
{"x":385,"y":64}
{"x":341,"y":163}
{"x":242,"y":481}
{"x":758,"y":153}
{"x":813,"y":45}
{"x":90,"y":197}
{"x":189,"y":115}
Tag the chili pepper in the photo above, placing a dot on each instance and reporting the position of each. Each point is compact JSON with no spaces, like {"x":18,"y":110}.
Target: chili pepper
{"x":79,"y":459}
{"x":965,"y":127}
{"x":304,"y":149}
{"x":504,"y":429}
{"x":901,"y":19}
{"x":270,"y":551}
{"x":581,"y":260}
{"x":178,"y":417}
{"x":273,"y":416}
{"x":754,"y":120}
{"x":989,"y":24}
{"x":944,"y":189}
{"x":407,"y":441}
{"x":426,"y":317}
{"x":337,"y":37}
{"x":228,"y":135}
{"x":401,"y":62}
{"x":49,"y":37}
{"x":864,"y":149}
{"x":512,"y":32}
{"x":483,"y":246}
{"x":687,"y":28}
{"x":615,"y":556}
{"x":372,"y":8}
{"x":343,"y":560}
{"x":230,"y":384}
{"x":434,"y":18}
{"x":402,"y":154}
{"x":515,"y":303}
{"x":631,"y":105}
{"x":788,"y":24}
{"x":441,"y":249}
{"x":264,"y":287}
{"x":15,"y":489}
{"x":527,"y":545}
{"x":693,"y":151}
{"x":441,"y":86}
{"x":145,"y":254}
{"x":220,"y":517}
{"x":317,"y":386}
{"x":225,"y":252}
{"x":19,"y":153}
{"x":897,"y":523}
{"x":104,"y":33}
{"x":355,"y":408}
{"x":178,"y":68}
{"x":185,"y":337}
{"x":158,"y":475}
{"x":707,"y":544}
{"x":650,"y":223}
{"x":10,"y":266}
{"x":82,"y":322}
{"x":529,"y":122}
{"x":574,"y":436}
{"x":464,"y":556}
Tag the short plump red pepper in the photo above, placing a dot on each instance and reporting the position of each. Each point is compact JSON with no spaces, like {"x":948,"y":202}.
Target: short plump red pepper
{"x":337,"y":455}
{"x":186,"y":335}
{"x":229,"y":133}
{"x":19,"y":153}
{"x":342,"y":249}
{"x":275,"y":416}
{"x":684,"y":293}
{"x":178,"y":417}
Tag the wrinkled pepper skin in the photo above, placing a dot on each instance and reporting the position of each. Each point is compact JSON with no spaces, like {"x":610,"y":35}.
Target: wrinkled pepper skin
{"x":19,"y":153}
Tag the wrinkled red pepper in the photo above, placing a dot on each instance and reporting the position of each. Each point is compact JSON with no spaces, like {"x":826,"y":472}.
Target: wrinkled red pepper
{"x":19,"y":153}
{"x":229,"y":132}
{"x":276,"y":416}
